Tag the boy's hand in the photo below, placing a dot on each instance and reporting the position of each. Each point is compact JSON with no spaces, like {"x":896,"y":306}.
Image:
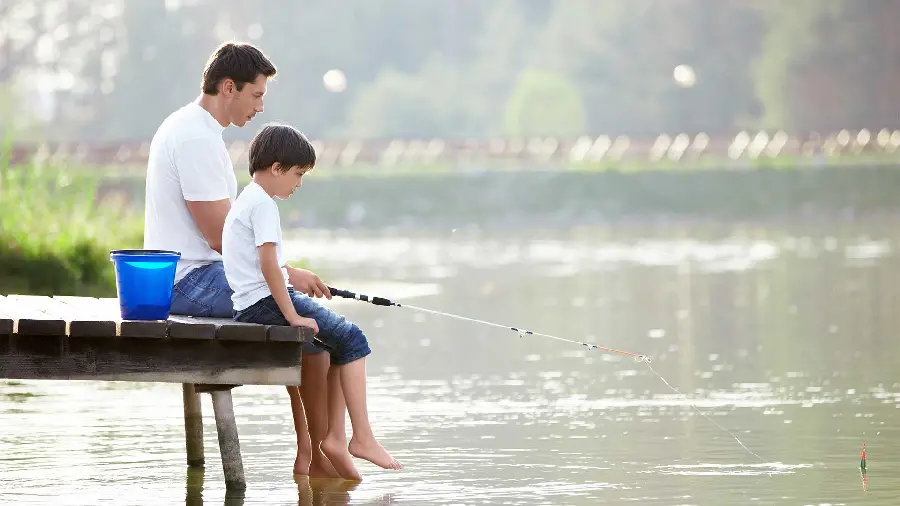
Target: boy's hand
{"x":300,"y":321}
{"x":308,"y":282}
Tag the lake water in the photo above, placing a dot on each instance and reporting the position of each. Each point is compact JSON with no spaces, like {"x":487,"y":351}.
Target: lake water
{"x":784,"y":336}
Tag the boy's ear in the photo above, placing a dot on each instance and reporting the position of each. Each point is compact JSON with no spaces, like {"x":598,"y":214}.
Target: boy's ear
{"x":275,"y":168}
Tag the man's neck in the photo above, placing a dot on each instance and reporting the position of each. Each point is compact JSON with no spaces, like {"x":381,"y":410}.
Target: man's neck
{"x":215,"y":107}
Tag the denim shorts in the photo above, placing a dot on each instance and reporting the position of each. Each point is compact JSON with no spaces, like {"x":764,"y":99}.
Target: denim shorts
{"x":346,"y":340}
{"x":204,"y":291}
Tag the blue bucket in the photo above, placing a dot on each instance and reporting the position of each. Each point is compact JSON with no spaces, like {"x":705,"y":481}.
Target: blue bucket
{"x":144,"y":282}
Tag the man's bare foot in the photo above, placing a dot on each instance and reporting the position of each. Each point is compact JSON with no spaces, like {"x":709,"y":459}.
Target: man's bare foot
{"x":373,"y":452}
{"x":322,"y":468}
{"x":301,"y":465}
{"x":336,"y":452}
{"x":319,"y":467}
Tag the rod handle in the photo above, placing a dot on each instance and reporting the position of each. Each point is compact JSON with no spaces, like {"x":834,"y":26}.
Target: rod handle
{"x":347,"y":294}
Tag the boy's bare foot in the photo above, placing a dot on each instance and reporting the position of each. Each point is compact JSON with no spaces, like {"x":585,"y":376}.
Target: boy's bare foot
{"x":372,"y":451}
{"x":336,"y":452}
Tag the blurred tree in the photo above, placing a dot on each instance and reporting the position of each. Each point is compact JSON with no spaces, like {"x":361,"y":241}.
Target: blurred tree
{"x":431,"y":103}
{"x":375,"y":45}
{"x":50,"y":51}
{"x":502,"y":50}
{"x":829,"y":64}
{"x":157,"y":67}
{"x":112,"y":69}
{"x":622,"y":56}
{"x":544,"y":104}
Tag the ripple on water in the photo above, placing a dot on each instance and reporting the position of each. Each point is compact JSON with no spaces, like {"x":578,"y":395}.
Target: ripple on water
{"x":770,"y":468}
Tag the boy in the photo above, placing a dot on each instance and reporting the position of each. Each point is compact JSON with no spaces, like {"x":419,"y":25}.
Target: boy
{"x":254,"y":267}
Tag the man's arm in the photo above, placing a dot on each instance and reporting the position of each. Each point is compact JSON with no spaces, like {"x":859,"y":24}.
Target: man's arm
{"x":210,"y":219}
{"x":204,"y":186}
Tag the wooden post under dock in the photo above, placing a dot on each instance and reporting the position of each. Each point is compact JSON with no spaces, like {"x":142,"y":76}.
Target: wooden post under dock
{"x":84,"y":338}
{"x":193,"y":425}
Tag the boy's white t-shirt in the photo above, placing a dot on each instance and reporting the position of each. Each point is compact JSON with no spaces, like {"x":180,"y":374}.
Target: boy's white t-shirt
{"x":187,"y":160}
{"x":253,"y":221}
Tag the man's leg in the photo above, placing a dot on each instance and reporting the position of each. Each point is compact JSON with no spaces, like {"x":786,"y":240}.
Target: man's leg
{"x":314,"y":392}
{"x":336,"y":445}
{"x":304,"y":448}
{"x":203,"y":292}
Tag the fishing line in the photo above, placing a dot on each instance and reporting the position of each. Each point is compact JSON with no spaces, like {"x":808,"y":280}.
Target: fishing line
{"x":381,"y":301}
{"x":704,"y":415}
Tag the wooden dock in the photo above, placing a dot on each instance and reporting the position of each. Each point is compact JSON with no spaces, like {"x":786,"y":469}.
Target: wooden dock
{"x":83,"y":338}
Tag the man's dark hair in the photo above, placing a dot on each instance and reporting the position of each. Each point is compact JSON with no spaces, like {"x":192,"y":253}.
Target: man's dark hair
{"x":242,"y":63}
{"x":283,"y":144}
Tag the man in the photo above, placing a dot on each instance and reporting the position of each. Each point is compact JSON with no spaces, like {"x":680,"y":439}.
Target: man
{"x":190,"y":188}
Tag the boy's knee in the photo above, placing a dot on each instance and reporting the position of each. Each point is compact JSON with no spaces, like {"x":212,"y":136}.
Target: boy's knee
{"x":353,"y":344}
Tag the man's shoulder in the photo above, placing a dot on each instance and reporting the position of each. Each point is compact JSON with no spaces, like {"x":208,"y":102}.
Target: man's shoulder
{"x":185,"y":127}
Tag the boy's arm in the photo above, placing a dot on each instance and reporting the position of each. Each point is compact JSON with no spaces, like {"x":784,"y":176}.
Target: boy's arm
{"x":271,"y":271}
{"x":307,"y":282}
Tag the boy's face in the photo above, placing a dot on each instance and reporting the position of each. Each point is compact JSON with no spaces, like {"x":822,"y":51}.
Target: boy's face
{"x":288,"y":181}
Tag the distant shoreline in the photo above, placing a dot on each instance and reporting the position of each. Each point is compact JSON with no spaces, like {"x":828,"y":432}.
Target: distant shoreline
{"x":553,"y":198}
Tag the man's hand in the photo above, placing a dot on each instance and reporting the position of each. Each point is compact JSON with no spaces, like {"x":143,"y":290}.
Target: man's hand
{"x":308,"y":282}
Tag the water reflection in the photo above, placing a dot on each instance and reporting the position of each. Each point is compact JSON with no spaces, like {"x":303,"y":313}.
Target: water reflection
{"x":194,"y":495}
{"x":310,"y":492}
{"x":786,"y":338}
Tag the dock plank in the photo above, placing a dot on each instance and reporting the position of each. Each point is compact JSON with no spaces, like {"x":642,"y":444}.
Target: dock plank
{"x":6,"y":320}
{"x":108,"y":309}
{"x":186,"y":327}
{"x":31,"y":321}
{"x":79,"y":323}
{"x":285,"y":334}
{"x":226,"y":328}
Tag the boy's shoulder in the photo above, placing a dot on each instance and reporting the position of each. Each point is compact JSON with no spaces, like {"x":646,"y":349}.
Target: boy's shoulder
{"x":251,"y":198}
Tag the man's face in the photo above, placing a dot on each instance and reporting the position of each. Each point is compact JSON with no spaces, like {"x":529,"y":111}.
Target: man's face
{"x":245,"y":104}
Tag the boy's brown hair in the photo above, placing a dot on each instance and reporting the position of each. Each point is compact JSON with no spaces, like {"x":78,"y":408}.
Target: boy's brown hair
{"x":282,"y":144}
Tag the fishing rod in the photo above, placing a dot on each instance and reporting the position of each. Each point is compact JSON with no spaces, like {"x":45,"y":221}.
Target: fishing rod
{"x":381,"y":301}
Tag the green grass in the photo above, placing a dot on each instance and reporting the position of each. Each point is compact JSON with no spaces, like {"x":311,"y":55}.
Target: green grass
{"x":55,"y":236}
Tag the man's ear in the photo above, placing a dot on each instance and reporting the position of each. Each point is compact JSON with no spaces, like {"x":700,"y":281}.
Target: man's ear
{"x":228,"y":86}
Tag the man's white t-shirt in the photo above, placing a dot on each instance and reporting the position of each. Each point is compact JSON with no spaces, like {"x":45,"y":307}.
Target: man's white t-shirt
{"x":253,"y":221}
{"x":188,"y":160}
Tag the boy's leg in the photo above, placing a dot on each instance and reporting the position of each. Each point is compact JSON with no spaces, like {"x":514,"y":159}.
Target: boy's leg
{"x":203,"y":292}
{"x":349,"y":349}
{"x":363,"y":444}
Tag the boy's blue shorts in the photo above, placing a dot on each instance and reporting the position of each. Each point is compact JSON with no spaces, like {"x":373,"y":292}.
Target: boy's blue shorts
{"x":346,"y":340}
